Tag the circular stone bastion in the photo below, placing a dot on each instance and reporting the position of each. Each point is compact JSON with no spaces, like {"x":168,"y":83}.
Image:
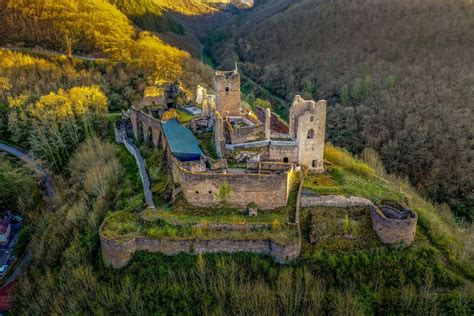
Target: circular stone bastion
{"x":394,"y":225}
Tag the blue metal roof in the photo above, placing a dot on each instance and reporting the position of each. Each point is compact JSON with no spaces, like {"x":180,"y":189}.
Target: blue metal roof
{"x":182,"y":142}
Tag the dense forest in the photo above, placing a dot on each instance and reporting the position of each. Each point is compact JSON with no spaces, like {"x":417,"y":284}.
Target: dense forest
{"x":97,"y":57}
{"x":398,"y":75}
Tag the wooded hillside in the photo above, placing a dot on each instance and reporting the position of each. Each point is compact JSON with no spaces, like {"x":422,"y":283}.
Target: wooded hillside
{"x":398,"y":75}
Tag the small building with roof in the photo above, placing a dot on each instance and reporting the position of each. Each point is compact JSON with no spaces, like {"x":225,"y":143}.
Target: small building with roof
{"x":182,"y":142}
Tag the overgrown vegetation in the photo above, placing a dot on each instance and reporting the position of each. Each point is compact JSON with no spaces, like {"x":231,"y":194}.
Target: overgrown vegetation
{"x":339,"y":229}
{"x":181,"y":220}
{"x":97,"y":179}
{"x":57,"y":123}
{"x":346,"y":175}
{"x":397,"y":75}
{"x":19,"y":187}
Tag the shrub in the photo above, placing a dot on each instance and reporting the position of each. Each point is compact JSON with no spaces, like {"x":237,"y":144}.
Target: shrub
{"x":344,"y":159}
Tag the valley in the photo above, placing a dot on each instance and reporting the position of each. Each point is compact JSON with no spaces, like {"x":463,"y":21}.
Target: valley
{"x":193,"y":173}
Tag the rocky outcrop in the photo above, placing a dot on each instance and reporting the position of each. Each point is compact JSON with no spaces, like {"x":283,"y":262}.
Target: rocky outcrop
{"x":118,"y":253}
{"x":243,"y":4}
{"x":394,"y":225}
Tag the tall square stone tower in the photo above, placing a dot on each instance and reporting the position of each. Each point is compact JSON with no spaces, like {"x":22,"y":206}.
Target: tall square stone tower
{"x":308,"y":128}
{"x":227,"y":84}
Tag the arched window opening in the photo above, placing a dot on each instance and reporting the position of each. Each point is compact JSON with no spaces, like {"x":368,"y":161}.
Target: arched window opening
{"x":311,"y":134}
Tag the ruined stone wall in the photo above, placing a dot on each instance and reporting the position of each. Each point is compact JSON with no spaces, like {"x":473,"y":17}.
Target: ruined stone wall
{"x":274,"y":166}
{"x":277,"y":124}
{"x":227,"y":86}
{"x":218,"y":135}
{"x":118,"y":254}
{"x":245,"y":153}
{"x":394,"y":226}
{"x":298,"y":108}
{"x":268,"y":191}
{"x":201,"y":94}
{"x":246,"y":134}
{"x":278,"y":151}
{"x":309,"y":199}
{"x":146,"y":127}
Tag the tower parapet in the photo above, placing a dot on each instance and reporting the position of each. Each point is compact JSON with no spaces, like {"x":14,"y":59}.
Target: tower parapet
{"x":227,"y":84}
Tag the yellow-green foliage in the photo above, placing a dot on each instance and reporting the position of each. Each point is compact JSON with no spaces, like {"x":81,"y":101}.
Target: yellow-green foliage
{"x":164,"y":60}
{"x":24,"y":74}
{"x":340,"y":157}
{"x":189,"y":7}
{"x":148,"y":15}
{"x":85,"y":25}
{"x":57,"y":122}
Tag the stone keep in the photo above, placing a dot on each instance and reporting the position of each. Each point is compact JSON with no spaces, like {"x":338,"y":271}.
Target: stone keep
{"x":227,"y":86}
{"x":308,"y":128}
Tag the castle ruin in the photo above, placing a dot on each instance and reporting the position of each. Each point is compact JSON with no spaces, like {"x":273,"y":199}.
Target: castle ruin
{"x":257,"y":153}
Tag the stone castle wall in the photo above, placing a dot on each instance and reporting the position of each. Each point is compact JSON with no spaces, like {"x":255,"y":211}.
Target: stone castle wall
{"x":268,"y":191}
{"x":310,"y":134}
{"x":118,"y":253}
{"x":392,"y":225}
{"x":280,"y":151}
{"x":309,"y":199}
{"x":246,"y":134}
{"x":277,"y":124}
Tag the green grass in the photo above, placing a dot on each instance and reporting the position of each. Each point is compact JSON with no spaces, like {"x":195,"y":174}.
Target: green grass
{"x":341,"y":157}
{"x":184,"y":217}
{"x":178,"y":221}
{"x":341,"y":181}
{"x":124,"y":225}
{"x":339,"y":229}
{"x":205,"y":142}
{"x":184,"y":117}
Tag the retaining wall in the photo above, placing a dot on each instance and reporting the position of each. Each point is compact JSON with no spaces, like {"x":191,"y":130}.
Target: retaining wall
{"x":118,"y":254}
{"x":308,"y":200}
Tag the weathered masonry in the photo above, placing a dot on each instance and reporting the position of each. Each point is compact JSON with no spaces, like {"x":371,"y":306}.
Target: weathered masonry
{"x":394,"y":225}
{"x":262,"y":136}
{"x":118,"y":253}
{"x":249,"y":140}
{"x":200,"y":185}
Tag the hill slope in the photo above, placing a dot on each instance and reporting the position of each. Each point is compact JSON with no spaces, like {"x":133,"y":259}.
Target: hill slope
{"x":398,"y":74}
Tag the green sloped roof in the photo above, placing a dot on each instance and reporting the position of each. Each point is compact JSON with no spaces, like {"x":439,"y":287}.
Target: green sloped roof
{"x":182,"y":142}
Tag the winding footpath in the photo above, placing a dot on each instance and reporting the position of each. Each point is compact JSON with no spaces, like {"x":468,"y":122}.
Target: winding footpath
{"x":45,"y":181}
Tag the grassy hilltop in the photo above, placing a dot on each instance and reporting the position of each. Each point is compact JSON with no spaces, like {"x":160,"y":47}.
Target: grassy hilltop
{"x":55,"y":103}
